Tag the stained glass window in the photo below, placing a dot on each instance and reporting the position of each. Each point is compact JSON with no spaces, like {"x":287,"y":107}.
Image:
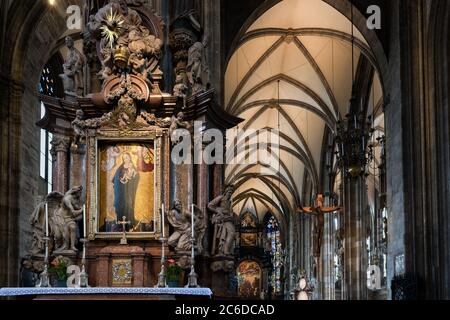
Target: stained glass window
{"x":46,"y":87}
{"x":273,"y":234}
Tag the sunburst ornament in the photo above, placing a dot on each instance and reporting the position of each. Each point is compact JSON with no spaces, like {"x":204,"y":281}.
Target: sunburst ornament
{"x":113,"y":27}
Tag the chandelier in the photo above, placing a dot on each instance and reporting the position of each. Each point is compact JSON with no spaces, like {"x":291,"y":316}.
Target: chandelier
{"x":354,"y":153}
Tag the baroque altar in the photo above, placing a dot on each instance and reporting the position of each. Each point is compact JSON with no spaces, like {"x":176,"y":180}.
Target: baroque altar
{"x":122,"y":202}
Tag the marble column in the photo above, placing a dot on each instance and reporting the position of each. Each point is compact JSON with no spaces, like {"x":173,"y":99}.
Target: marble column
{"x":203,"y":199}
{"x":355,"y":230}
{"x":182,"y":184}
{"x":78,"y":167}
{"x":60,"y":149}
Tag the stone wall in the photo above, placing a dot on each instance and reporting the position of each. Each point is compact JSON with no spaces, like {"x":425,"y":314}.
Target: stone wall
{"x":31,"y":31}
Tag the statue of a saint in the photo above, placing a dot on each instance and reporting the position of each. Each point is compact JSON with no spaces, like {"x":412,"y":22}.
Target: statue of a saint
{"x":37,"y":221}
{"x":224,"y":223}
{"x":182,"y":223}
{"x":73,"y":70}
{"x":78,"y":126}
{"x":197,"y":68}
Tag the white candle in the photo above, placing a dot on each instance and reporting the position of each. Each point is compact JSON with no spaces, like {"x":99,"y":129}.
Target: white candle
{"x":46,"y":219}
{"x":84,"y":221}
{"x":162,"y":223}
{"x":192,"y":221}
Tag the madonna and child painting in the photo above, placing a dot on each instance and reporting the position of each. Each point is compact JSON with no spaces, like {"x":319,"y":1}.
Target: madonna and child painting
{"x":127,"y":187}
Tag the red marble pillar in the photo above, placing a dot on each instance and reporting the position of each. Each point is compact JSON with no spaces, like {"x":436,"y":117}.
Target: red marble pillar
{"x":202,"y":201}
{"x":78,"y":168}
{"x":217,"y":180}
{"x":60,"y":149}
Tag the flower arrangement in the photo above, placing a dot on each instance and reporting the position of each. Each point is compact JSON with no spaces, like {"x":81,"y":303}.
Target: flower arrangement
{"x":59,"y":268}
{"x":173,"y":270}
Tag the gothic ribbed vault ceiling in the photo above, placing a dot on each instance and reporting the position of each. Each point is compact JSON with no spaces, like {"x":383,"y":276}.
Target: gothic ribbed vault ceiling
{"x":302,"y":47}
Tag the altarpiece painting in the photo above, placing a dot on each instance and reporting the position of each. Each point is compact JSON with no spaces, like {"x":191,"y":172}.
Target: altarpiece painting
{"x":127,"y":186}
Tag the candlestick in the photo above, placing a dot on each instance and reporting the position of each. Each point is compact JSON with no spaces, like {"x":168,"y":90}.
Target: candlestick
{"x":46,"y":219}
{"x":44,"y":280}
{"x":162,"y":221}
{"x":192,"y":220}
{"x":84,"y":221}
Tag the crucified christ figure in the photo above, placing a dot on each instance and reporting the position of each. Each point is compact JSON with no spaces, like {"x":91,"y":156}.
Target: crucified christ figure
{"x":319,"y":211}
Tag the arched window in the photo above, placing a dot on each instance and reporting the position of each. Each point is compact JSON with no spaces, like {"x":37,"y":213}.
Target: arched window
{"x":273,"y":234}
{"x":49,"y":85}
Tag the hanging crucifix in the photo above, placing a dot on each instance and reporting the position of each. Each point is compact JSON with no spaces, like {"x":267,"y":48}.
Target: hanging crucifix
{"x":319,"y":212}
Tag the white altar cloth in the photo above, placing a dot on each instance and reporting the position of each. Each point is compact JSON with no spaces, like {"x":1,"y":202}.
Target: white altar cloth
{"x":12,"y":292}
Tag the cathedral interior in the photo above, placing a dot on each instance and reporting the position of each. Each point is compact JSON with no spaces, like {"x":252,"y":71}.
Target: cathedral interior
{"x":259,"y":149}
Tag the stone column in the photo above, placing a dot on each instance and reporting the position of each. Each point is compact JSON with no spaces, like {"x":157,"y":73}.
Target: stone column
{"x":10,"y":110}
{"x":60,"y":149}
{"x":182,"y":184}
{"x":78,"y":167}
{"x":203,"y":199}
{"x":327,"y":259}
{"x":355,"y":230}
{"x":211,"y":23}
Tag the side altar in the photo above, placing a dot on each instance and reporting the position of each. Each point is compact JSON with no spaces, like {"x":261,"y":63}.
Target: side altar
{"x":132,"y":191}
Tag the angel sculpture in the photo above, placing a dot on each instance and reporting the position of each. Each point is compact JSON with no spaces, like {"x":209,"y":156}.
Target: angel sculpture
{"x":64,"y":212}
{"x":178,"y":123}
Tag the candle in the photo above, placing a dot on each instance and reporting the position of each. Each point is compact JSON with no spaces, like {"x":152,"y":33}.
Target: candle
{"x":46,"y":219}
{"x":84,"y":221}
{"x":192,"y":220}
{"x":162,"y":223}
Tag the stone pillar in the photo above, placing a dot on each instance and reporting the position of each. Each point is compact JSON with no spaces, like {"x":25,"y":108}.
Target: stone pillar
{"x":60,"y":149}
{"x":218,"y":179}
{"x":355,"y":230}
{"x":10,"y":111}
{"x":203,"y":197}
{"x":327,"y":259}
{"x":78,"y":167}
{"x":182,"y":184}
{"x":211,"y":21}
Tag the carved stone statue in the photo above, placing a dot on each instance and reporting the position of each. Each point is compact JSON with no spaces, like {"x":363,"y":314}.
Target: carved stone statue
{"x":64,"y":212}
{"x":224,"y":223}
{"x":73,"y":70}
{"x":180,"y":89}
{"x":181,"y":221}
{"x":78,"y":126}
{"x":197,"y":68}
{"x":37,"y":221}
{"x":177,"y":123}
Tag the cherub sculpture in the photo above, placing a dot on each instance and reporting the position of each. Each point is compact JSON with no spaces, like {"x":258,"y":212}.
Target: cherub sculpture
{"x":178,"y":123}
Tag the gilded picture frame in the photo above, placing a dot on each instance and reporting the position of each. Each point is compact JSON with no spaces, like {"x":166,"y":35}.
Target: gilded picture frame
{"x":95,"y":204}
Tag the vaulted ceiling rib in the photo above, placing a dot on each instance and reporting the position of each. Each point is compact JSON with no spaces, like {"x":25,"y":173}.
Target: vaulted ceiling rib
{"x":291,"y":70}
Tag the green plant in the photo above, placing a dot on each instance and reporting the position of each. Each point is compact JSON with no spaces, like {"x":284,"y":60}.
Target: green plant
{"x":59,"y":268}
{"x":173,"y":270}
